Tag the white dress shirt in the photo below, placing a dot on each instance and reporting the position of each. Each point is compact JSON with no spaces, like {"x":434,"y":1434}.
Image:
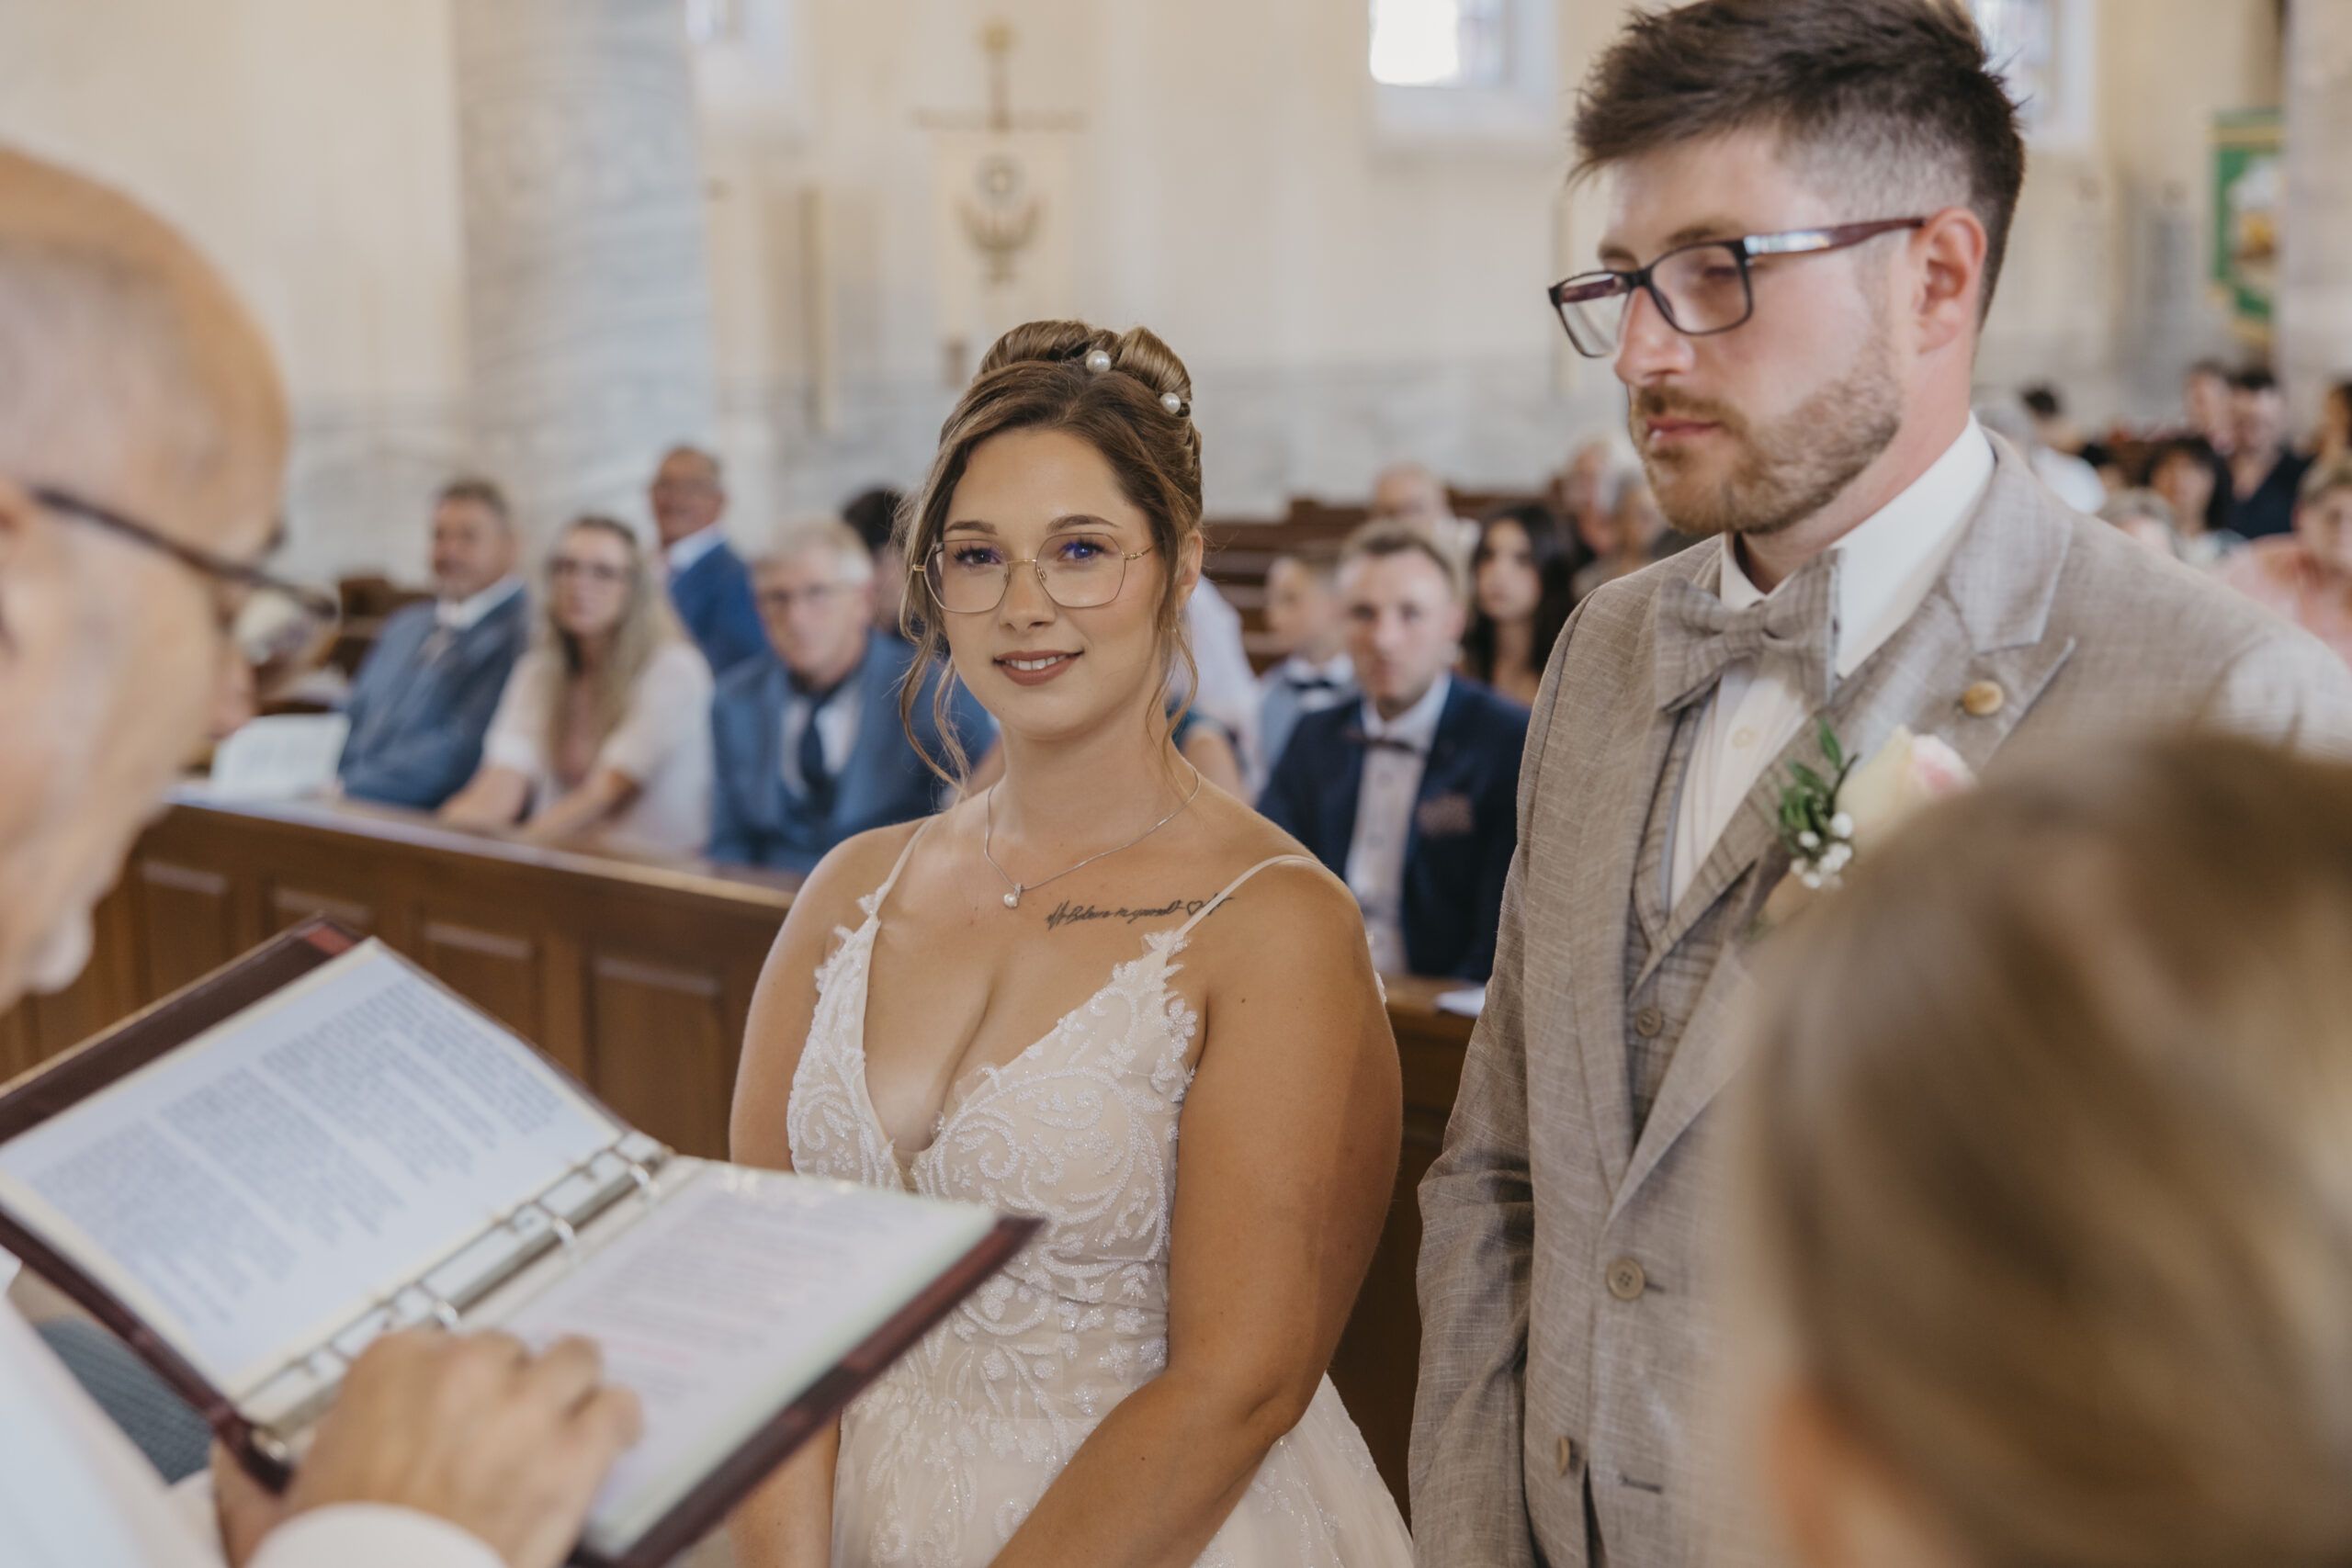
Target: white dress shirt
{"x":75,"y":1494}
{"x":1885,"y":568}
{"x":464,"y":614}
{"x":1385,"y":802}
{"x":692,"y":549}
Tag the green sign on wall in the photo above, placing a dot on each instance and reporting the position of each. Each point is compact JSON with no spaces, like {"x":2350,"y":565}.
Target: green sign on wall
{"x":2249,"y":198}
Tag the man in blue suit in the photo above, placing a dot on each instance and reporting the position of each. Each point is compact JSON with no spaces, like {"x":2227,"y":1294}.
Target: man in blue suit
{"x":708,"y":581}
{"x":1410,"y":796}
{"x":425,"y":694}
{"x":810,"y":746}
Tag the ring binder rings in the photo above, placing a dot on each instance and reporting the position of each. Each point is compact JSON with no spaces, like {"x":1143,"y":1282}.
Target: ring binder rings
{"x":414,"y":1117}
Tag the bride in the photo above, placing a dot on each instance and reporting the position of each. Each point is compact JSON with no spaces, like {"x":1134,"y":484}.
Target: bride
{"x":1036,"y":1000}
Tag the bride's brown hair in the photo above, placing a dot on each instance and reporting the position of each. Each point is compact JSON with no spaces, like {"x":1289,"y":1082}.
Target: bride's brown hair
{"x":1036,"y":378}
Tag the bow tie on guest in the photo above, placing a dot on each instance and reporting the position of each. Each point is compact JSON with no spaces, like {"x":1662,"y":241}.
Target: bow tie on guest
{"x":1381,"y":743}
{"x":1310,"y":683}
{"x":1699,"y":634}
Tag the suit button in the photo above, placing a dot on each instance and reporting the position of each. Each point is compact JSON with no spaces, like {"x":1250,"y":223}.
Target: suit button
{"x":1649,"y":1023}
{"x":1566,"y":1456}
{"x":1626,"y":1280}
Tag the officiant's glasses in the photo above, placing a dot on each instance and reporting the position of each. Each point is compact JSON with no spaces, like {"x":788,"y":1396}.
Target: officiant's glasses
{"x":1701,"y":289}
{"x":280,"y":627}
{"x":1078,"y":571}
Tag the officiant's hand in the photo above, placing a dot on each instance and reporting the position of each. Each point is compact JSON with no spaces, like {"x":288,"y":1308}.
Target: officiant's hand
{"x":474,"y":1430}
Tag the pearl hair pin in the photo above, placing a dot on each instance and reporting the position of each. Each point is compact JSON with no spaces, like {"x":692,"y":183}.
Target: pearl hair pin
{"x":1098,"y":361}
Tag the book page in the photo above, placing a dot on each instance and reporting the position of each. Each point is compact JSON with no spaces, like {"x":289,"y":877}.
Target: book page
{"x":251,"y":1191}
{"x":727,"y":1303}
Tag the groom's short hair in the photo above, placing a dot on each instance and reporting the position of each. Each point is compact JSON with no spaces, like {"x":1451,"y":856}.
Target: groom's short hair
{"x":1892,"y":100}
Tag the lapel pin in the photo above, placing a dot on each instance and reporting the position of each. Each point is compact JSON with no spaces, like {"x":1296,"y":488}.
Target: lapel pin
{"x":1984,"y":699}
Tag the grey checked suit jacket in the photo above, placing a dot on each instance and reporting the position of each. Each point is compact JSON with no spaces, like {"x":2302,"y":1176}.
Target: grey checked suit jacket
{"x":1567,"y":1339}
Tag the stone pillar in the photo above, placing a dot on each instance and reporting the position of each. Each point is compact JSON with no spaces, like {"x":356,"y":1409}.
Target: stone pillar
{"x":587,"y":274}
{"x":2315,"y":275}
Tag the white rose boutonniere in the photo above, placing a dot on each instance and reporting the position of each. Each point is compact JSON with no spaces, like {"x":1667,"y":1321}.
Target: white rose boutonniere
{"x":1824,"y":822}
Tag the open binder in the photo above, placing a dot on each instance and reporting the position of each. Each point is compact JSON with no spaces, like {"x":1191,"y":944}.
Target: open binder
{"x":256,"y":1176}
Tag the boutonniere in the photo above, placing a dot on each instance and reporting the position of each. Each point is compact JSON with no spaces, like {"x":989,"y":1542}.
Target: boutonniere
{"x":1825,"y":821}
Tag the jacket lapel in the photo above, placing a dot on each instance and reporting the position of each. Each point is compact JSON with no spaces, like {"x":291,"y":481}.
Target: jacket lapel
{"x":1985,"y":623}
{"x":1608,"y":823}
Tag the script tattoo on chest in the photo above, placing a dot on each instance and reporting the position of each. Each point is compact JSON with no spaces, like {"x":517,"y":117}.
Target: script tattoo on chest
{"x":1068,"y":914}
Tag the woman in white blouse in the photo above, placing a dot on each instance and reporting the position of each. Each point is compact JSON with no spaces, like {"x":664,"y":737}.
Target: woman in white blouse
{"x":604,"y":731}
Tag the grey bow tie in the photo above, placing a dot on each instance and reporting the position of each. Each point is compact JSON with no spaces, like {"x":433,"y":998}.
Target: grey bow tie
{"x":1698,"y":635}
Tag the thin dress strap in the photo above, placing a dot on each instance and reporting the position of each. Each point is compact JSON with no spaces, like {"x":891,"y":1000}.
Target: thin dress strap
{"x":874,"y":899}
{"x":1235,"y":887}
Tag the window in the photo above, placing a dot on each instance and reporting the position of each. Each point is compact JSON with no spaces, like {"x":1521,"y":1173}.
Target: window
{"x":1465,"y":70}
{"x":2042,"y":49}
{"x":1440,"y":43}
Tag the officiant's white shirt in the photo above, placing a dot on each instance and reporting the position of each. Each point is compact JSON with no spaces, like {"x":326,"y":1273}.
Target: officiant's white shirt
{"x":1885,"y":568}
{"x":75,"y":1494}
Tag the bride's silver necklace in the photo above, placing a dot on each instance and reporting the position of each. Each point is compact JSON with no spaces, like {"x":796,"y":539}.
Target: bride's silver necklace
{"x":1012,"y":899}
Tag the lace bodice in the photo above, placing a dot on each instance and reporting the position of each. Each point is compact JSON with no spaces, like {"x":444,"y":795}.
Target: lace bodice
{"x":945,"y":1455}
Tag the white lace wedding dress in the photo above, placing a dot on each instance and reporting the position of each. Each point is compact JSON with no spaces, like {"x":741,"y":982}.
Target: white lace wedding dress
{"x":944,"y":1458}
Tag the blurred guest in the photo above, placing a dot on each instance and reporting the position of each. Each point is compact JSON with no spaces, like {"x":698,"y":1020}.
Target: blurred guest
{"x":1206,"y":744}
{"x":2044,"y":1251}
{"x":604,"y":732}
{"x":1411,"y":795}
{"x":874,"y":515}
{"x":2307,"y":576}
{"x":1303,"y":615}
{"x":807,"y":741}
{"x":2143,"y":517}
{"x":1519,"y":599}
{"x":2193,"y":480}
{"x":2057,"y":430}
{"x":2264,"y":476}
{"x":1227,"y":690}
{"x":1411,"y":493}
{"x":707,"y":582}
{"x":2333,"y":438}
{"x":2205,"y":405}
{"x":2068,"y":477}
{"x":1634,"y":535}
{"x":1582,"y":493}
{"x":425,"y":694}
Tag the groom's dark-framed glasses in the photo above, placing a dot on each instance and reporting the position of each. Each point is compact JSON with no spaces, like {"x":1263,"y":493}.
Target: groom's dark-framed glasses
{"x":1078,"y":571}
{"x":280,"y":627}
{"x":1700,"y":288}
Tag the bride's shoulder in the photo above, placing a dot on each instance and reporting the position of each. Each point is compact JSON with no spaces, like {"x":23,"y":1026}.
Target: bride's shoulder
{"x":1287,"y":889}
{"x":851,"y":871}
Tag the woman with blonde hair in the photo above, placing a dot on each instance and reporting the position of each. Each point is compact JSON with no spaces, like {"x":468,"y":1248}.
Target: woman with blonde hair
{"x":604,"y":732}
{"x":1024,"y":1001}
{"x":2050,"y":1185}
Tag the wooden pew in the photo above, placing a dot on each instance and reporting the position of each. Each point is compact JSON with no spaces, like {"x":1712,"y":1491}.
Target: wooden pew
{"x":635,"y":975}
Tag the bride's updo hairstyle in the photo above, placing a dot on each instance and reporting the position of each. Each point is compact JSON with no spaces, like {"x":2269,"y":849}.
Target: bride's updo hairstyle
{"x":1133,"y":404}
{"x":2047,"y":1148}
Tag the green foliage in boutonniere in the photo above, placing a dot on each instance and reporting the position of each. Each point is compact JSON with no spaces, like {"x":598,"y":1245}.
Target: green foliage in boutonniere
{"x":1817,"y":835}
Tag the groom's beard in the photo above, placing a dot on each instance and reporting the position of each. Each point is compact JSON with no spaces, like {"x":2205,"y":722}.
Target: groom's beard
{"x":1784,"y":472}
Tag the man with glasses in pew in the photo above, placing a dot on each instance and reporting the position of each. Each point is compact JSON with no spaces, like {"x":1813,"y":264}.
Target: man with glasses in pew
{"x":143,"y":444}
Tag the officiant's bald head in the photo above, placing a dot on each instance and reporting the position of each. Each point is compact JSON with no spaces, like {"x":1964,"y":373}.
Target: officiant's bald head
{"x":133,"y":382}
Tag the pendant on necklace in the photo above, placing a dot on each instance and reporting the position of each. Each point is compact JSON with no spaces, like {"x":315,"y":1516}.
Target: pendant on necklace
{"x":1012,"y":899}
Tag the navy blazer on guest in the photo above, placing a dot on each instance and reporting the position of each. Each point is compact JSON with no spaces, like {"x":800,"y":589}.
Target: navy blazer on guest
{"x":757,"y":821}
{"x":417,"y":726}
{"x":714,"y":598}
{"x":1466,"y":818}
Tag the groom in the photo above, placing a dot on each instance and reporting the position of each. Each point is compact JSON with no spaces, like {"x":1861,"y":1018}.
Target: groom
{"x":1809,"y":200}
